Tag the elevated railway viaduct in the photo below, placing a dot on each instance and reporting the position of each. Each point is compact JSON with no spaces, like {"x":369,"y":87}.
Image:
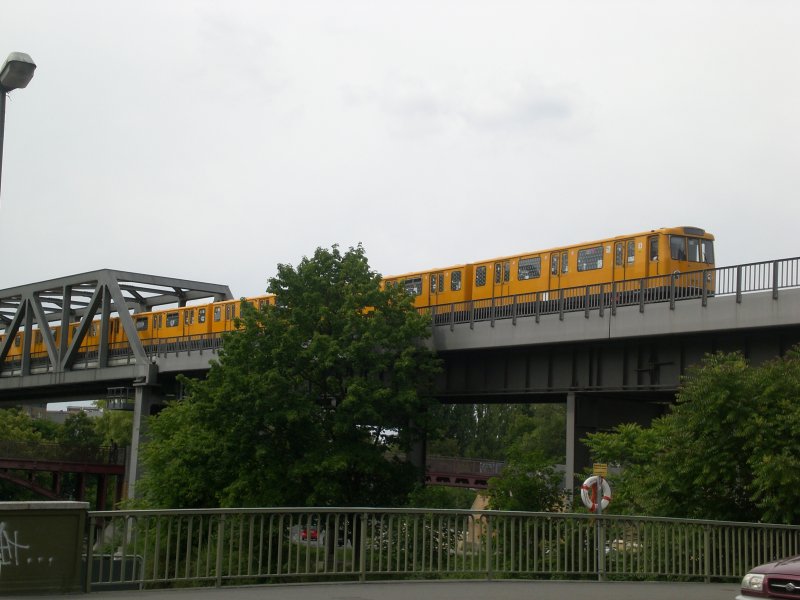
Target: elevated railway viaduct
{"x":610,"y":357}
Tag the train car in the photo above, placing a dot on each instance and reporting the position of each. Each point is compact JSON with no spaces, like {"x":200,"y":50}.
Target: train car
{"x":437,"y":286}
{"x":652,"y":253}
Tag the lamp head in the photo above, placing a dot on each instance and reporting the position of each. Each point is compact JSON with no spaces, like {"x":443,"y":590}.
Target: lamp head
{"x":16,"y":72}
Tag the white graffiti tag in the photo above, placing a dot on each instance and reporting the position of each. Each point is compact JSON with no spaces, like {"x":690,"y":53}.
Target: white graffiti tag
{"x":9,"y":548}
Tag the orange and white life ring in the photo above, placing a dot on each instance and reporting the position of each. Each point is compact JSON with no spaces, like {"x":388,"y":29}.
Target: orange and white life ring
{"x":589,"y":493}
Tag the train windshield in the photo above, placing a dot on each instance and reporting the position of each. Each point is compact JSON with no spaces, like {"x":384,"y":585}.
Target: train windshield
{"x":692,"y":249}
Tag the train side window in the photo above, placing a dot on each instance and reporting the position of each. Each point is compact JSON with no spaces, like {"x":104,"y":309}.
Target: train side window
{"x":188,"y":317}
{"x":413,"y":286}
{"x":564,"y":263}
{"x":433,"y":284}
{"x":455,"y":281}
{"x":617,"y":255}
{"x":217,"y":313}
{"x":141,"y":324}
{"x":677,"y":247}
{"x":529,"y":268}
{"x":653,"y":248}
{"x":172,"y":319}
{"x":201,"y":315}
{"x":17,"y":341}
{"x":590,"y":259}
{"x":554,"y":264}
{"x":631,"y":251}
{"x":480,"y":276}
{"x":227,"y":312}
{"x":38,"y":337}
{"x":93,"y":330}
{"x":498,"y":273}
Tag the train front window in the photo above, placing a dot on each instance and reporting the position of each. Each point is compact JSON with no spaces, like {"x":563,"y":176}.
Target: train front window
{"x":707,"y":247}
{"x":677,"y":247}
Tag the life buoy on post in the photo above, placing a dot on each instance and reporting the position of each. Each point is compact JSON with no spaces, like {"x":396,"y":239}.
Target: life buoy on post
{"x":589,"y":493}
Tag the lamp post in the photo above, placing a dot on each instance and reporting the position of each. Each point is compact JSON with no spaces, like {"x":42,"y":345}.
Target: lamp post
{"x":16,"y":72}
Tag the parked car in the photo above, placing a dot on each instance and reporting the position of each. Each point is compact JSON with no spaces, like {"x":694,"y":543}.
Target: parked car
{"x":308,"y":534}
{"x":779,"y":579}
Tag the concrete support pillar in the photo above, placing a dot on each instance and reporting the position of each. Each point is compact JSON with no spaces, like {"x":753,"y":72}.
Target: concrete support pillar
{"x":569,"y":474}
{"x":144,"y":400}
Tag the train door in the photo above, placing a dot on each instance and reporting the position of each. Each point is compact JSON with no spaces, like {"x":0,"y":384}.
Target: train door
{"x":559,"y":266}
{"x":652,"y":255}
{"x":502,"y":275}
{"x":435,"y":288}
{"x":624,"y":260}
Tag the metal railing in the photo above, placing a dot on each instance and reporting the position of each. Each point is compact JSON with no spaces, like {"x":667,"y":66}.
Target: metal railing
{"x":702,"y":284}
{"x":165,"y":548}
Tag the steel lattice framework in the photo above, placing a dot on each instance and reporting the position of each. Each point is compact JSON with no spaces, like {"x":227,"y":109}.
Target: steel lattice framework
{"x":91,"y":299}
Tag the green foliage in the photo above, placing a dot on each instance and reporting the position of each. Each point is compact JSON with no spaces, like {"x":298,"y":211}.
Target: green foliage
{"x":437,"y":496}
{"x":17,"y":426}
{"x":528,"y":481}
{"x":79,"y":430}
{"x":309,"y":401}
{"x":489,"y":430}
{"x":727,"y":450}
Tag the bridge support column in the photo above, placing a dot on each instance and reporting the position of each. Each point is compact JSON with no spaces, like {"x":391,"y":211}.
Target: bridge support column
{"x":143,"y":402}
{"x":569,"y":474}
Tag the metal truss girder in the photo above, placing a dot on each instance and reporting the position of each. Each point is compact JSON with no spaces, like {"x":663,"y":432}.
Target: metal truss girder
{"x":80,"y":298}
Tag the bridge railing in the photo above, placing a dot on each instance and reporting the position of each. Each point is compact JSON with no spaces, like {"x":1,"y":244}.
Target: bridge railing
{"x":165,"y":548}
{"x":703,"y":284}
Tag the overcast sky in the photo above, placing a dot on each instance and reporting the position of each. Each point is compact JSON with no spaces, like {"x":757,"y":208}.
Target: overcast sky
{"x":213,"y":140}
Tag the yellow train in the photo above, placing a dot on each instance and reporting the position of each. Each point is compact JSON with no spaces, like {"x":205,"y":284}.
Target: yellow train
{"x":151,"y":327}
{"x":648,"y":254}
{"x":659,"y":252}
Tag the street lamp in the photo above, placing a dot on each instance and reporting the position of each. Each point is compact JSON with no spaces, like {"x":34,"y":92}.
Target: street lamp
{"x":16,"y":72}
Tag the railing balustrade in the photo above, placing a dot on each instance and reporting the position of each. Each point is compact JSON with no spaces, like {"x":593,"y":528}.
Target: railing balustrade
{"x":702,"y":284}
{"x":164,"y":548}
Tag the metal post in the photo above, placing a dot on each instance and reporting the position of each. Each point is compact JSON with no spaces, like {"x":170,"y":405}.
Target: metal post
{"x":2,"y":128}
{"x":569,"y":472}
{"x":739,"y":284}
{"x":775,"y":280}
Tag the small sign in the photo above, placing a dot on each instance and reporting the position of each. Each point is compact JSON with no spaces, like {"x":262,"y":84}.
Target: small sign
{"x":600,"y":469}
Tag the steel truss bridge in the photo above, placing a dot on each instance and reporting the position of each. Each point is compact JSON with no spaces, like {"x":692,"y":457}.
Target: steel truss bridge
{"x":613,"y":352}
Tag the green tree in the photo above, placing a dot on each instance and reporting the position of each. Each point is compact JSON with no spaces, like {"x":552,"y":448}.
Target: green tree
{"x":528,"y":481}
{"x":310,"y":403}
{"x":726,"y":450}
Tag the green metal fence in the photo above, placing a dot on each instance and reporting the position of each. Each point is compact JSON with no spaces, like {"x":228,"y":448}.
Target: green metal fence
{"x":177,"y":548}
